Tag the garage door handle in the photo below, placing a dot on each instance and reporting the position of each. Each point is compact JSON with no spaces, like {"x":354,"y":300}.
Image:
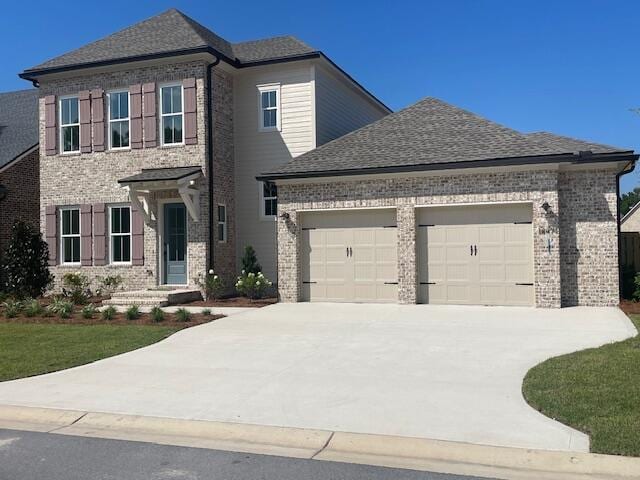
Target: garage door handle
{"x":350,"y":252}
{"x":471,"y":250}
{"x":475,"y":250}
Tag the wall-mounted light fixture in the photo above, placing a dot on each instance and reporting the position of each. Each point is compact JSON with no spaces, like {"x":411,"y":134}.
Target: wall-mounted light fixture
{"x":546,"y":207}
{"x":285,"y":216}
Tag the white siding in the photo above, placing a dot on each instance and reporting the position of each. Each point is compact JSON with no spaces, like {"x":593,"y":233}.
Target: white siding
{"x":258,"y":152}
{"x":340,"y":106}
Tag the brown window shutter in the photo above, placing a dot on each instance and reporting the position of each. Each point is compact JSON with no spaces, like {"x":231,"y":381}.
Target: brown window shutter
{"x":97,"y":112}
{"x":85,"y":121}
{"x":85,"y":235}
{"x":149,"y":114}
{"x":50,"y":122}
{"x":99,"y":234}
{"x":51,"y":233}
{"x":135,"y":94}
{"x":190,"y":119}
{"x":137,"y":237}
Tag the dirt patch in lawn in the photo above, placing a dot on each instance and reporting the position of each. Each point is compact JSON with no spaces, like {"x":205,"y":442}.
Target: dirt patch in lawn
{"x":234,"y":302}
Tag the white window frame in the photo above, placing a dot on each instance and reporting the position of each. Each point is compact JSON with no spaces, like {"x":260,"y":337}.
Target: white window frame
{"x":162,"y":115}
{"x":128,"y":119}
{"x":62,"y":151}
{"x":111,"y":235}
{"x":272,"y":87}
{"x":263,"y":199}
{"x":71,"y":235}
{"x":222,"y":222}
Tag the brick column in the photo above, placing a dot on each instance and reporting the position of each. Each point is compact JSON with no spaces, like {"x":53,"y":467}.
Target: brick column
{"x":546,"y":247}
{"x":289,"y":274}
{"x":407,"y":278}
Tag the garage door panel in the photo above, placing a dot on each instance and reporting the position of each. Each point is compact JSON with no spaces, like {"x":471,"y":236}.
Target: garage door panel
{"x":501,"y":258}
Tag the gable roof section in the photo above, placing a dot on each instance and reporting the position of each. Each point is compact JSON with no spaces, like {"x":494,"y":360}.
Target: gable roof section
{"x":166,"y":34}
{"x":18,"y":124}
{"x":428,"y":135}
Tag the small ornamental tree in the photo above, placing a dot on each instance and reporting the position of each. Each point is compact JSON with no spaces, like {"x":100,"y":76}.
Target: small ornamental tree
{"x":250,"y":261}
{"x":25,"y":263}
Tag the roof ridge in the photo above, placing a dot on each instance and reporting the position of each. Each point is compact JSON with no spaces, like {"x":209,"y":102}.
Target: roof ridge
{"x":197,"y":28}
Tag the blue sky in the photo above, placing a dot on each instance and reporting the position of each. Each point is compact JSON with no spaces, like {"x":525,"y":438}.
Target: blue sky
{"x":569,"y":67}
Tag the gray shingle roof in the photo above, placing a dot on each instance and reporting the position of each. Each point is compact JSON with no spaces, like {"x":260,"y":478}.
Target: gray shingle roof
{"x":18,"y":123}
{"x":172,"y":31}
{"x":160,"y":174}
{"x":569,"y":144}
{"x":427,"y":133}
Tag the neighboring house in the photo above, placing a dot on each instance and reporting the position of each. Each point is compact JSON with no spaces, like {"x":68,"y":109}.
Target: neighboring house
{"x":19,"y":161}
{"x":630,"y":239}
{"x":433,"y":204}
{"x":151,"y":140}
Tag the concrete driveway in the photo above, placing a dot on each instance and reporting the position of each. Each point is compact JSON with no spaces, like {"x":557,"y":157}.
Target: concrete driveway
{"x":450,"y":373}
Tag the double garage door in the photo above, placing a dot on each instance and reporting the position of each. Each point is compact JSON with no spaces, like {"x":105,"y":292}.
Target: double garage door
{"x":475,"y":255}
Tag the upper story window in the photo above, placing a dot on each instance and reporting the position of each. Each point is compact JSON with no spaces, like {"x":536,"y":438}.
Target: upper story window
{"x":120,"y":234}
{"x":70,"y":235}
{"x":171,"y":114}
{"x":69,"y":125}
{"x":118,"y":120}
{"x":222,"y":223}
{"x":269,"y":112}
{"x":269,"y":200}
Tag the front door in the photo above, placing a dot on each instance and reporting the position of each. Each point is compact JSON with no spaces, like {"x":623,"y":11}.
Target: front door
{"x":175,"y":244}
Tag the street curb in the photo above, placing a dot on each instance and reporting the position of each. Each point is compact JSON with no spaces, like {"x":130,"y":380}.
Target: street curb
{"x":380,"y":450}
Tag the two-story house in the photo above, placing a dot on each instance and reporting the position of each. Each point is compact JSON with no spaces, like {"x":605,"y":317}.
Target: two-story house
{"x":151,"y":140}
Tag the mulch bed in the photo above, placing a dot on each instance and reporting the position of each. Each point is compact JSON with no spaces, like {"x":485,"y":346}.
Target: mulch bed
{"x":234,"y":302}
{"x":629,"y":307}
{"x":170,"y":320}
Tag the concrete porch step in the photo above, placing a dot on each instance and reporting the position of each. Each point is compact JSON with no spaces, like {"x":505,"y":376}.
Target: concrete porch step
{"x":160,"y":298}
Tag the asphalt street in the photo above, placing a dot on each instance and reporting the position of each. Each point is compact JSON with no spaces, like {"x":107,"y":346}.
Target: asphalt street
{"x":46,"y":456}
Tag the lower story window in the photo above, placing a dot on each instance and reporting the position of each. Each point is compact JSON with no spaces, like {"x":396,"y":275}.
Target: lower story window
{"x":120,"y":234}
{"x":269,"y":199}
{"x":70,"y":235}
{"x":222,"y":223}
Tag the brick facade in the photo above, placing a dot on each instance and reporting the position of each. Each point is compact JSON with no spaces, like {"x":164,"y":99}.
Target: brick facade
{"x":90,"y":178}
{"x":582,"y":211}
{"x":22,"y":180}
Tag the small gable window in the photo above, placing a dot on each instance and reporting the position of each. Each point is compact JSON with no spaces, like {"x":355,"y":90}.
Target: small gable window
{"x":171,"y":114}
{"x":118,"y":120}
{"x":69,"y":125}
{"x":269,"y":101}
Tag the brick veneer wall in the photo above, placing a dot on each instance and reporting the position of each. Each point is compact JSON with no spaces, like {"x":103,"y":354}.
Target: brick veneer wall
{"x":22,"y":180}
{"x":535,"y":186}
{"x":74,"y":179}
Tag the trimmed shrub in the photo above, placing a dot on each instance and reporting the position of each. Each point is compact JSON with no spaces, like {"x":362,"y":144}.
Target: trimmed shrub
{"x":183,"y":315}
{"x":109,"y":284}
{"x":24,"y":271}
{"x":157,"y":314}
{"x":89,"y":311}
{"x":61,"y":307}
{"x":212,"y":285}
{"x":32,"y":308}
{"x":206,"y":312}
{"x":109,"y":313}
{"x":132,"y":313}
{"x":76,"y":287}
{"x":252,"y":285}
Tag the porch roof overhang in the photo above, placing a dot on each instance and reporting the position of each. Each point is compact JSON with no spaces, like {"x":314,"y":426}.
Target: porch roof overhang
{"x":182,"y":179}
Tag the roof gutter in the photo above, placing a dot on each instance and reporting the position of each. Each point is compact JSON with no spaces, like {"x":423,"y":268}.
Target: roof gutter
{"x":580,"y":158}
{"x":619,"y":175}
{"x":209,"y":92}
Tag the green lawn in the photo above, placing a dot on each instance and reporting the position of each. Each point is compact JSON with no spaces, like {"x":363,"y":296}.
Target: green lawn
{"x":596,"y":391}
{"x":33,"y":349}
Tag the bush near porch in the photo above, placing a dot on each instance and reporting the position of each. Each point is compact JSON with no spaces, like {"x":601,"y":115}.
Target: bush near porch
{"x":596,"y":391}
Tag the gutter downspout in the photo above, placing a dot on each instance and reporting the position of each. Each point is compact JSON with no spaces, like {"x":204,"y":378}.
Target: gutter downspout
{"x":622,"y":172}
{"x":209,"y":91}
